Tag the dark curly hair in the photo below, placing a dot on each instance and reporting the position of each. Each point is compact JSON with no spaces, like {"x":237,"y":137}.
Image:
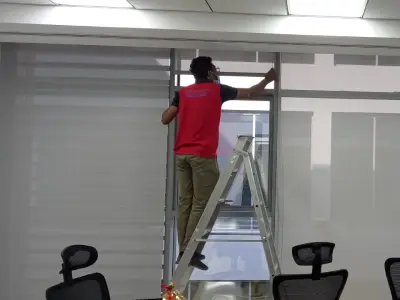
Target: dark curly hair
{"x":201,"y":66}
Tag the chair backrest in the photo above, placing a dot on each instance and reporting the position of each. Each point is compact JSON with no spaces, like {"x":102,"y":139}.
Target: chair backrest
{"x":314,"y":286}
{"x":392,"y":271}
{"x":92,"y":286}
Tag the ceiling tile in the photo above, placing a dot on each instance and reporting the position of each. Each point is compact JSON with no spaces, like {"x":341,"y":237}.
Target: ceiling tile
{"x":39,"y":2}
{"x":264,"y":7}
{"x":184,"y":5}
{"x":383,"y":9}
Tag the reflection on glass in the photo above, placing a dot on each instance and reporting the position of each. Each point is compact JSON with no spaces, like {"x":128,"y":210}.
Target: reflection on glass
{"x":232,"y":125}
{"x":261,"y":150}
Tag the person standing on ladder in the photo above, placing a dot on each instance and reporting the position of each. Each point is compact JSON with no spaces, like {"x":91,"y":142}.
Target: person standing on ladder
{"x":198,"y":107}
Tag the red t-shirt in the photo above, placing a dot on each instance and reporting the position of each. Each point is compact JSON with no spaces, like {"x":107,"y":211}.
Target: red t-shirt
{"x":199,"y":115}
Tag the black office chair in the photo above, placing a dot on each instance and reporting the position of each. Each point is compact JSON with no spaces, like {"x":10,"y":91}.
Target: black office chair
{"x":314,"y":286}
{"x":392,"y":271}
{"x":88,"y":287}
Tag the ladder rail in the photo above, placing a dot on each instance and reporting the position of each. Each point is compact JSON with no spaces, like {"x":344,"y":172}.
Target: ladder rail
{"x":263,"y":217}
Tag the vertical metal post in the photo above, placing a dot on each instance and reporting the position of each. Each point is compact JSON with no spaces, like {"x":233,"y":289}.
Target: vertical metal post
{"x":273,"y":143}
{"x":170,"y":194}
{"x":178,"y":68}
{"x":8,"y":69}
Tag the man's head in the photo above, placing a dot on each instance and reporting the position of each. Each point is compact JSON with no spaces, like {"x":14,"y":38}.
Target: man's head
{"x":203,"y":68}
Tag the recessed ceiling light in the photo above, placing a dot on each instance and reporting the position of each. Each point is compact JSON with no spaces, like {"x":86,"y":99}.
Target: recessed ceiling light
{"x":95,"y":3}
{"x":327,"y":8}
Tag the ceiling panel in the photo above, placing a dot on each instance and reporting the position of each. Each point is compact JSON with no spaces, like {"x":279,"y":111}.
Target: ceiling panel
{"x":265,"y":7}
{"x":383,"y":9}
{"x":185,"y":5}
{"x":40,"y":2}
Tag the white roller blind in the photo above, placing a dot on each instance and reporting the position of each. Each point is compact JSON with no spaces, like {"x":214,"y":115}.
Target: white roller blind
{"x":89,"y":166}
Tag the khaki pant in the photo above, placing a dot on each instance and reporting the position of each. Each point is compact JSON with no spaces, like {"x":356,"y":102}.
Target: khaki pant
{"x":197,"y":178}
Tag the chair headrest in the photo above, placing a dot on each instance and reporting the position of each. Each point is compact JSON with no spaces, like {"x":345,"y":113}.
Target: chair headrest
{"x":307,"y":254}
{"x":313,"y":254}
{"x":78,"y":257}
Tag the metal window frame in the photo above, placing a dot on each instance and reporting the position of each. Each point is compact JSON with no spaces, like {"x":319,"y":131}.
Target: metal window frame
{"x":275,"y":139}
{"x":8,"y":74}
{"x":171,"y":185}
{"x":348,"y":95}
{"x":171,"y":189}
{"x":273,"y":144}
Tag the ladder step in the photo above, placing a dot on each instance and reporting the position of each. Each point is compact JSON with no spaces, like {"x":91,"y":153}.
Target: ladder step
{"x":229,"y":241}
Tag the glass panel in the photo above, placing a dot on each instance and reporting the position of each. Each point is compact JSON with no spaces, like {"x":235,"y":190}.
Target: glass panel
{"x":261,"y":149}
{"x":324,"y":75}
{"x":236,"y":221}
{"x":339,"y":182}
{"x":80,"y":155}
{"x":232,"y":125}
{"x":238,"y":261}
{"x":234,"y":66}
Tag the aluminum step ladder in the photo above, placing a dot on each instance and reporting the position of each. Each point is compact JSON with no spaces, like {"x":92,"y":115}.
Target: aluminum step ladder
{"x":201,"y":234}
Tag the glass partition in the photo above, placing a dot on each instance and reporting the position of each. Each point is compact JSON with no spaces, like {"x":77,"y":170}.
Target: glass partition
{"x":338,"y":165}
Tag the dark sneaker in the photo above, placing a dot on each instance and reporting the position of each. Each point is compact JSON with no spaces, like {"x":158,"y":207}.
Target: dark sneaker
{"x":198,"y":264}
{"x":199,"y":256}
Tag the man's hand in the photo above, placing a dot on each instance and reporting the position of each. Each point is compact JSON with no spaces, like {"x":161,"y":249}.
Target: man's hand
{"x":259,"y":87}
{"x":271,"y":75}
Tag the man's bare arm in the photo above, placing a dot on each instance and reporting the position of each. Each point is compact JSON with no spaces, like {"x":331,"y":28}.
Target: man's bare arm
{"x":258,"y":88}
{"x":172,"y":111}
{"x":169,"y":115}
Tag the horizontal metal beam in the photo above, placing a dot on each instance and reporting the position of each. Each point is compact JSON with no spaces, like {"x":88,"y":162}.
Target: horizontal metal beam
{"x":242,"y":74}
{"x":108,"y":41}
{"x":267,"y":95}
{"x":340,"y":95}
{"x":233,"y":233}
{"x":245,"y":112}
